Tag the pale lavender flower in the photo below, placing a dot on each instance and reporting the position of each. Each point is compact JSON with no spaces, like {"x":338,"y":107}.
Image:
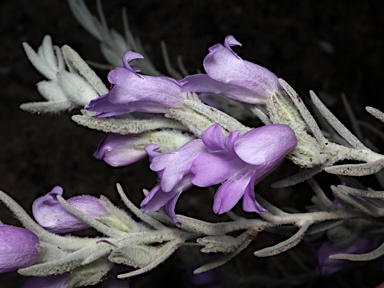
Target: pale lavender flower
{"x":57,"y":281}
{"x":135,"y":92}
{"x":326,"y":266}
{"x":173,"y":167}
{"x":174,"y":174}
{"x":232,"y":76}
{"x":19,"y":248}
{"x":51,"y":215}
{"x":157,"y":198}
{"x":118,"y":150}
{"x":240,"y":161}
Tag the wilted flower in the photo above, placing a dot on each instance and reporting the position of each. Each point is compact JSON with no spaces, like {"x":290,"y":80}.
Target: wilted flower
{"x":135,"y":92}
{"x":18,"y":248}
{"x":238,"y":161}
{"x":232,"y":76}
{"x":57,"y":281}
{"x":52,"y":216}
{"x":326,"y":266}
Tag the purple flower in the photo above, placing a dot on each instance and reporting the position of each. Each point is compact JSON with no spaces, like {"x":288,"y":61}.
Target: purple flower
{"x":18,"y":248}
{"x":52,"y":216}
{"x":326,"y":266}
{"x":174,"y":174}
{"x":119,"y":150}
{"x":232,"y":76}
{"x":157,"y":198}
{"x":239,"y":161}
{"x":134,"y":92}
{"x":173,"y":167}
{"x":57,"y":281}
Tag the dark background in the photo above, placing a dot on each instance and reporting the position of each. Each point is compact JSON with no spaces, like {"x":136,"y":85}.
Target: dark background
{"x":332,"y":47}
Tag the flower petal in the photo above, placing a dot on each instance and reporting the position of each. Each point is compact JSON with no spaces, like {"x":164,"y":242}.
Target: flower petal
{"x":231,"y":41}
{"x":104,"y":108}
{"x":202,"y":83}
{"x":18,"y":248}
{"x":229,"y":142}
{"x":249,"y":202}
{"x":151,"y":150}
{"x":170,"y":209}
{"x":156,"y":199}
{"x":213,"y":168}
{"x":51,"y":215}
{"x":223,"y":65}
{"x":132,"y":87}
{"x":129,"y":56}
{"x":230,"y":193}
{"x":172,"y":167}
{"x":119,"y":150}
{"x":266,"y":145}
{"x":246,"y":81}
{"x":213,"y":137}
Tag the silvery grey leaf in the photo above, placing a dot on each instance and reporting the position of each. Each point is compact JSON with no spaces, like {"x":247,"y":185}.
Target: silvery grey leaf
{"x":126,"y":125}
{"x":357,"y":169}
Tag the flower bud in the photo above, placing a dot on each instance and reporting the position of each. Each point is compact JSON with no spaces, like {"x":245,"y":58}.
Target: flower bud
{"x":18,"y":248}
{"x":232,"y":76}
{"x":120,"y":150}
{"x":52,"y":216}
{"x":133,"y":92}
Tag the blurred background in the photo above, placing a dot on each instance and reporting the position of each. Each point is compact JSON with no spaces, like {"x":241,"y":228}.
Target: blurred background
{"x":332,"y":47}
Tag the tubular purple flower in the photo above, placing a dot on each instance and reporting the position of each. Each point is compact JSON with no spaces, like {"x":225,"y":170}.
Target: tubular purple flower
{"x":19,"y":248}
{"x":57,"y":281}
{"x":239,"y":162}
{"x":326,"y":266}
{"x":118,"y":150}
{"x":51,"y":215}
{"x":157,"y":198}
{"x":232,"y":76}
{"x":135,"y":92}
{"x":181,"y":159}
{"x":173,"y":170}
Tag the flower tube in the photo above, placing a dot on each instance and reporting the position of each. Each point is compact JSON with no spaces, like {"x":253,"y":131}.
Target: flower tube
{"x":52,"y":216}
{"x":135,"y":92}
{"x":19,"y":248}
{"x":239,"y":161}
{"x":232,"y":76}
{"x":119,"y":150}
